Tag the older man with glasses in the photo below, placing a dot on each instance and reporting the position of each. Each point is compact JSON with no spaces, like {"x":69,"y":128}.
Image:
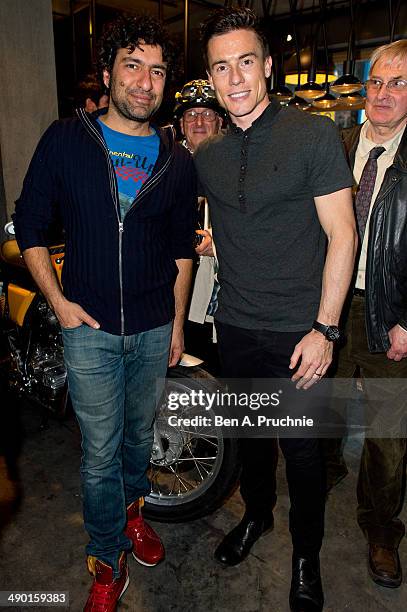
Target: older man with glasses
{"x":376,"y":325}
{"x":198,"y":112}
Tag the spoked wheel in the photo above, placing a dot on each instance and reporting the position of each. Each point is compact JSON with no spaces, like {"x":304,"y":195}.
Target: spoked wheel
{"x":194,"y":468}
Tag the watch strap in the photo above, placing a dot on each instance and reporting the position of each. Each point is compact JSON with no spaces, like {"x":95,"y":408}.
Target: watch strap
{"x":320,"y":327}
{"x":331,"y":332}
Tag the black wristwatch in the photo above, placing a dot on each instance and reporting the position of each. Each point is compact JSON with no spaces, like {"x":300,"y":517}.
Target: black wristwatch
{"x":331,"y":332}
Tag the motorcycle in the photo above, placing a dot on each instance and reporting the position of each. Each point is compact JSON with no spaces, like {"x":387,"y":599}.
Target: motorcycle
{"x":192,"y":470}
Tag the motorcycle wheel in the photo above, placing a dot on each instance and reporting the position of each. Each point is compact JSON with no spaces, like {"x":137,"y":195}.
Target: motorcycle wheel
{"x":200,"y":469}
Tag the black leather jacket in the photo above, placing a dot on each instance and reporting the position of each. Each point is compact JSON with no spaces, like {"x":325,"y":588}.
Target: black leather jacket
{"x":386,"y":266}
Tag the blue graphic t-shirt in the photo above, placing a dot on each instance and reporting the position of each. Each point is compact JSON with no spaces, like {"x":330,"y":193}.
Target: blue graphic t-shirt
{"x":133,"y":159}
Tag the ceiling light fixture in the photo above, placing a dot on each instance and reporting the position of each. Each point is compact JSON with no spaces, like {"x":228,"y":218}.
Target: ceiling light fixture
{"x":328,"y":101}
{"x":348,"y":83}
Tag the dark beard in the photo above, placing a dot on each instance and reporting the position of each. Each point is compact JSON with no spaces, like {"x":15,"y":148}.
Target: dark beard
{"x":126,"y":110}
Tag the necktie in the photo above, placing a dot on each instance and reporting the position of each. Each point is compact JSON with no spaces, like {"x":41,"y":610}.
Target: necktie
{"x":366,"y":188}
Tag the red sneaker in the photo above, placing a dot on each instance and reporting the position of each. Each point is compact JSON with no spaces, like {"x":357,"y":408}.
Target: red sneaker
{"x":106,"y":592}
{"x":147,"y":546}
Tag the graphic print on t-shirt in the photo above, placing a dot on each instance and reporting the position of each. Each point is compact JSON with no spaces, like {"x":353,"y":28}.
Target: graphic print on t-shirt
{"x":133,"y":159}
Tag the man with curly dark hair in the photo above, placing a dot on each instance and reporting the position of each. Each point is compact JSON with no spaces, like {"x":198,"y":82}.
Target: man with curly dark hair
{"x":126,"y":33}
{"x":126,"y":193}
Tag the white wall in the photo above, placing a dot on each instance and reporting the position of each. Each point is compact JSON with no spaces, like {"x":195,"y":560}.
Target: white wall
{"x":28,"y":98}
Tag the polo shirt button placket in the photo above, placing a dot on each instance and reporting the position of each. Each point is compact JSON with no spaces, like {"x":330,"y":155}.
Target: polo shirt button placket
{"x":243,"y":167}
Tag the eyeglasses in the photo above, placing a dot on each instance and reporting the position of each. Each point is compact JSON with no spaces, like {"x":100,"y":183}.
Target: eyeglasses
{"x":394,"y":85}
{"x":208,"y":115}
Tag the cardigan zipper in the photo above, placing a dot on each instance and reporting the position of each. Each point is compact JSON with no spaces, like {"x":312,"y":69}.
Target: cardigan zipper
{"x":113,"y":189}
{"x":146,"y":188}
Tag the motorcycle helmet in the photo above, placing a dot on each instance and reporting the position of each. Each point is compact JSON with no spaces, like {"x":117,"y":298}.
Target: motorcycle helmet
{"x":196,"y":93}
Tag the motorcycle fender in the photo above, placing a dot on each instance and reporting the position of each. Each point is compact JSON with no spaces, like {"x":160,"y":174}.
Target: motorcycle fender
{"x":19,"y":301}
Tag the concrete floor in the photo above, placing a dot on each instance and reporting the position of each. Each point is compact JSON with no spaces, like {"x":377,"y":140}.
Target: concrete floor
{"x":42,"y":540}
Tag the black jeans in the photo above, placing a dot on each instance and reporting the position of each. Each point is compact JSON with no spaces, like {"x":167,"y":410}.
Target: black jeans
{"x":246,"y":353}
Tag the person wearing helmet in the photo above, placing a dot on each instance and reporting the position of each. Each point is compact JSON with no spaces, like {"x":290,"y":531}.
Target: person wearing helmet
{"x":200,"y":117}
{"x":198,"y":112}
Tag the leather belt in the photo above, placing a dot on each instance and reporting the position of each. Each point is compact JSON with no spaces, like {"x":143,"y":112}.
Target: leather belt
{"x":359,"y":292}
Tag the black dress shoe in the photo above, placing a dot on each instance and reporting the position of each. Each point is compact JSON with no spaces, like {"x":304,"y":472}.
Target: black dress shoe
{"x":235,"y":547}
{"x":306,"y":593}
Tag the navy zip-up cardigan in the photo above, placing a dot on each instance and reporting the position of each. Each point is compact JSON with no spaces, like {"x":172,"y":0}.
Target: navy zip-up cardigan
{"x":121,"y":273}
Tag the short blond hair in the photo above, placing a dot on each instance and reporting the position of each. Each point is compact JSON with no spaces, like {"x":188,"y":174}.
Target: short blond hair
{"x":390,"y":52}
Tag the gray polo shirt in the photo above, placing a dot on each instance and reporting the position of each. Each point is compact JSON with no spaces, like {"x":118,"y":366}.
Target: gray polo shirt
{"x":261,"y":184}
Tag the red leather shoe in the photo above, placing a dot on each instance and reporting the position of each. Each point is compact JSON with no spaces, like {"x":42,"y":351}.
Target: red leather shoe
{"x":106,"y":592}
{"x":147,"y":546}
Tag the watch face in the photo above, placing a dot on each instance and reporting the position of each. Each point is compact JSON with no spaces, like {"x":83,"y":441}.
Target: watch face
{"x":333,"y":334}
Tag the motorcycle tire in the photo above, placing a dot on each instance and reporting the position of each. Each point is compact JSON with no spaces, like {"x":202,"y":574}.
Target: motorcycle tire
{"x":204,"y":469}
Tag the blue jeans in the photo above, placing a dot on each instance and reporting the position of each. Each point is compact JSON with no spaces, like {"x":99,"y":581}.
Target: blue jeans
{"x":113,"y":387}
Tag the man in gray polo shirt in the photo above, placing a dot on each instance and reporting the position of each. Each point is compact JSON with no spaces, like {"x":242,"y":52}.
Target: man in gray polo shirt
{"x":279,"y":190}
